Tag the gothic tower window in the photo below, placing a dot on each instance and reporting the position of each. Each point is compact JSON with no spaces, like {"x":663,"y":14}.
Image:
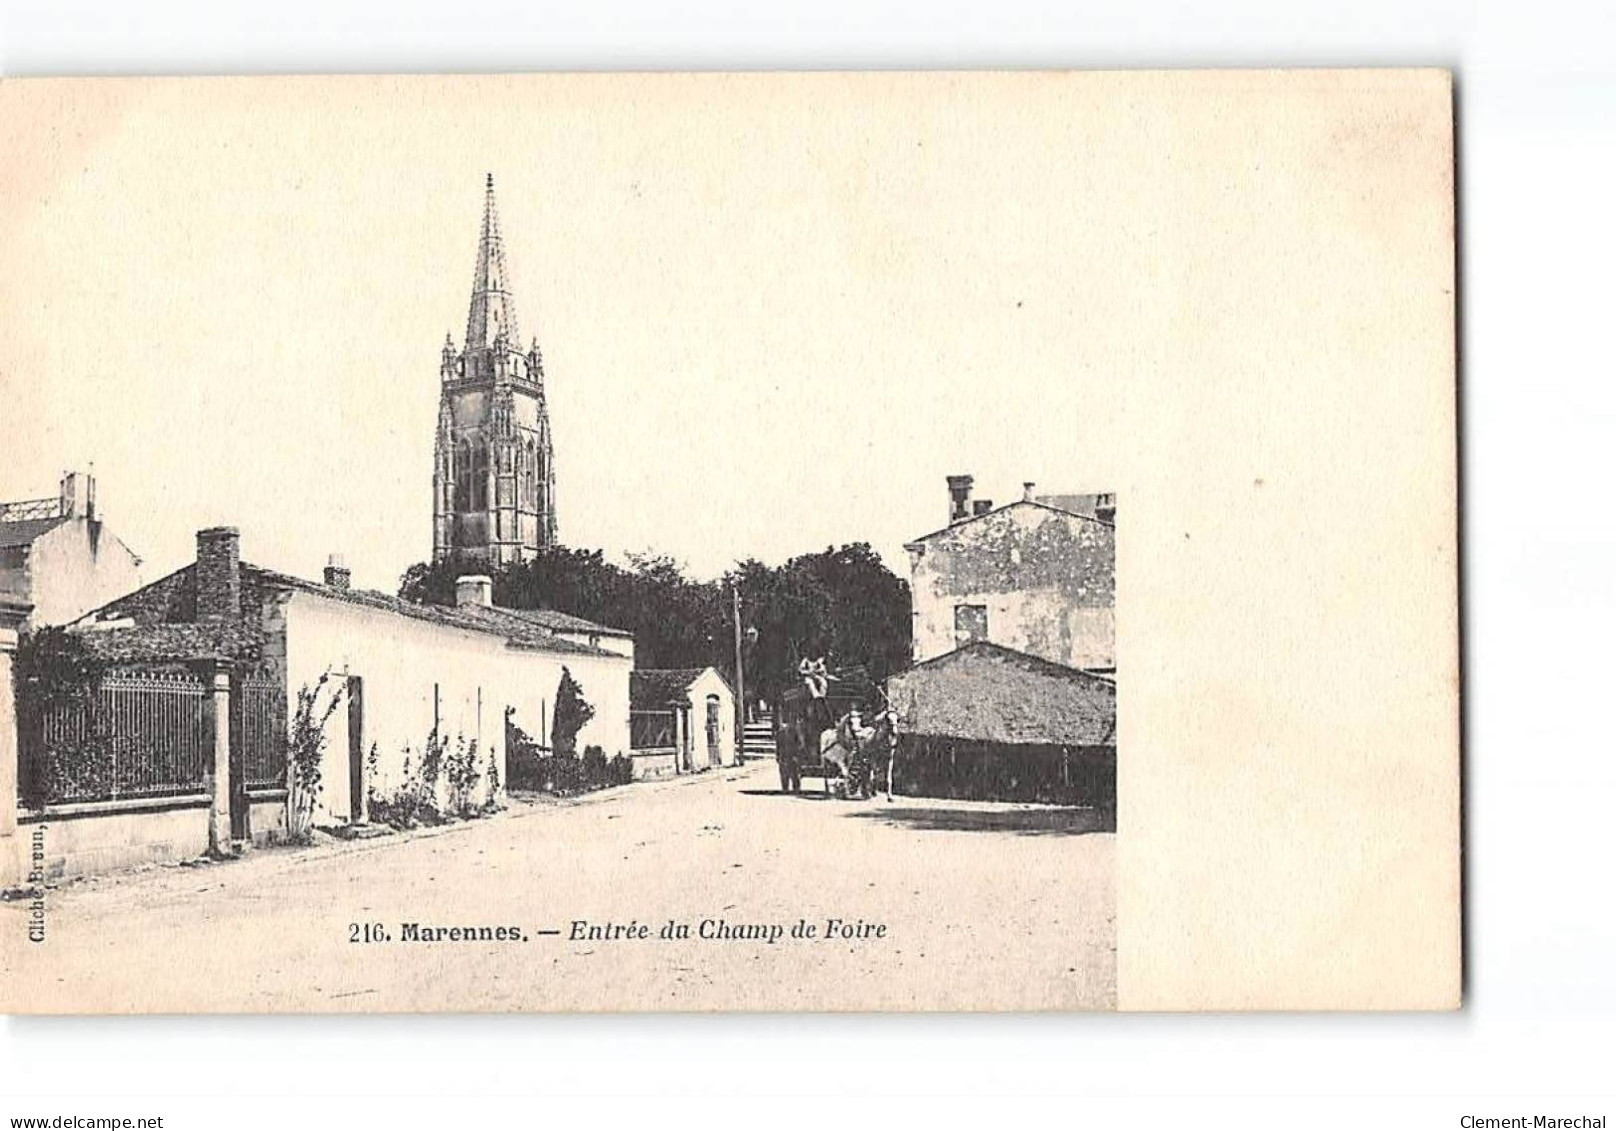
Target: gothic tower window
{"x":479,"y":476}
{"x":462,"y":476}
{"x":530,"y":482}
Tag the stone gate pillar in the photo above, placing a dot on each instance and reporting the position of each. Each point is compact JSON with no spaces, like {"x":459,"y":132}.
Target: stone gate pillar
{"x":216,"y":684}
{"x":12,"y":614}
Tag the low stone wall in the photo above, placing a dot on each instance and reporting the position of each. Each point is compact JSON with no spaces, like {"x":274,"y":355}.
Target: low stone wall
{"x":654,"y":764}
{"x":102,"y":836}
{"x":106,"y":836}
{"x":268,"y":819}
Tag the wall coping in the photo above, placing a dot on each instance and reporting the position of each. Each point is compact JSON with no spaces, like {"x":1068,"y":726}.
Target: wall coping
{"x":113,"y":808}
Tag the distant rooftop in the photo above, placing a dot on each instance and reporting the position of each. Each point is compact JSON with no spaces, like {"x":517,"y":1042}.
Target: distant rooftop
{"x":31,"y":510}
{"x":22,"y":532}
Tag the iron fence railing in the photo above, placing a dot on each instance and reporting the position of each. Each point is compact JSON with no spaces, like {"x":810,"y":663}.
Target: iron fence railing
{"x":138,"y":734}
{"x":650,"y":730}
{"x":258,"y":715}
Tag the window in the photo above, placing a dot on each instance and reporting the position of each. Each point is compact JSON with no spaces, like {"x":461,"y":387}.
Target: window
{"x":479,"y":477}
{"x":530,"y":475}
{"x":970,"y":624}
{"x":462,"y":476}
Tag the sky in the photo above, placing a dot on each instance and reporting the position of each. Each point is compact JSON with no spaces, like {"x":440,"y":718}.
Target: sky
{"x":775,"y":312}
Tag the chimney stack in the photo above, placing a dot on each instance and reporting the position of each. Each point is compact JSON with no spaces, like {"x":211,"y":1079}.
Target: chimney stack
{"x":218,"y":573}
{"x":959,"y":498}
{"x":336,"y":572}
{"x":77,"y":495}
{"x":981,"y":506}
{"x":1026,"y":491}
{"x":474,"y":589}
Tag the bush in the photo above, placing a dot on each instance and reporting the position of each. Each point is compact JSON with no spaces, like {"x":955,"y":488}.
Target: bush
{"x":621,"y":770}
{"x":417,"y":800}
{"x":593,"y":768}
{"x":533,"y":770}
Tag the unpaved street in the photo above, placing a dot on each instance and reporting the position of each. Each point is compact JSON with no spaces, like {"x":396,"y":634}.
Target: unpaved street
{"x":981,"y":906}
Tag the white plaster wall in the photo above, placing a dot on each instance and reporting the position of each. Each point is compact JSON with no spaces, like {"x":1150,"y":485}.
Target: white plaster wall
{"x":476,"y":677}
{"x":711,"y":683}
{"x":70,"y":574}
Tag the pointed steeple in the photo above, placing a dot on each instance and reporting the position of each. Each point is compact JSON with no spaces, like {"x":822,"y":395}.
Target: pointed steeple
{"x":493,"y":309}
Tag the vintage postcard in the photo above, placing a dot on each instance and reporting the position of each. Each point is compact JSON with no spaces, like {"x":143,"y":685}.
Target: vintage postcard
{"x":729,"y":542}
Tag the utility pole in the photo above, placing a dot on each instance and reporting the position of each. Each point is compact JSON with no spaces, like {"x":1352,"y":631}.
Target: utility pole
{"x":740,"y":678}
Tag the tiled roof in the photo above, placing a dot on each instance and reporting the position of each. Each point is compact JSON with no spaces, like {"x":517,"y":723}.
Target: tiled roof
{"x":516,"y":630}
{"x":986,"y":692}
{"x":653,"y":688}
{"x":170,"y":602}
{"x":165,"y":643}
{"x":564,"y":622}
{"x":24,"y":532}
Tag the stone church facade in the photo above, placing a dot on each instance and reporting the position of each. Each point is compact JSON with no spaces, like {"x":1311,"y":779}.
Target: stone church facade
{"x":493,"y":482}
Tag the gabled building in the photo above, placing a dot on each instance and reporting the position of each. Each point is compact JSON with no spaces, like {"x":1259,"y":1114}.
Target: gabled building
{"x":1031,"y":576}
{"x":57,"y":554}
{"x":683,"y":720}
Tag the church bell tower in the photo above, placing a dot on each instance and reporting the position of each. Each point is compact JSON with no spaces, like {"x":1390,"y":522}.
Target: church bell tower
{"x":493,"y":480}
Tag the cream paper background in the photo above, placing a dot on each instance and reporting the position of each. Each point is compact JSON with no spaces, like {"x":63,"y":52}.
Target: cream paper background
{"x":1238,"y":313}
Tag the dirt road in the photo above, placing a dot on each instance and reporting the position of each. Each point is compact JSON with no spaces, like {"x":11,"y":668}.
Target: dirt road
{"x":929,"y":905}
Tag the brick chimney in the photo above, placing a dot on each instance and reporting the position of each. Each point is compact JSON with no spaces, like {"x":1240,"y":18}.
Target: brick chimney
{"x":474,"y":589}
{"x":218,"y":573}
{"x":336,"y":572}
{"x":1026,"y":491}
{"x":959,"y":498}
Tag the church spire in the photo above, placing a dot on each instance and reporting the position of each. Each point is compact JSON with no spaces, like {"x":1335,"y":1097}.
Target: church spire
{"x":493,"y":310}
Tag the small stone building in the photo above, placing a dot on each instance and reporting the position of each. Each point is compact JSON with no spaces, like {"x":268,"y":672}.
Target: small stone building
{"x":989,"y":723}
{"x":57,"y":555}
{"x":683,"y":721}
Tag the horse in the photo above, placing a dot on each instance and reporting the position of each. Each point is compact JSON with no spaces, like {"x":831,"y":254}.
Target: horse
{"x":853,"y":750}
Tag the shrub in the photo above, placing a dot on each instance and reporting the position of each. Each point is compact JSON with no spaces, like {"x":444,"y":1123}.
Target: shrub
{"x":305,"y":745}
{"x":592,"y":768}
{"x":621,"y":770}
{"x":462,"y":771}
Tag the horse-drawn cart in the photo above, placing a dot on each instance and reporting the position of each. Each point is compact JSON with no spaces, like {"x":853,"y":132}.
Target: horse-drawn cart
{"x":823,"y":731}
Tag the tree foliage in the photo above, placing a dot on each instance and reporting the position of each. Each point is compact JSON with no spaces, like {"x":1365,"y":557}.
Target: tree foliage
{"x":841,"y":603}
{"x":572,"y":714}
